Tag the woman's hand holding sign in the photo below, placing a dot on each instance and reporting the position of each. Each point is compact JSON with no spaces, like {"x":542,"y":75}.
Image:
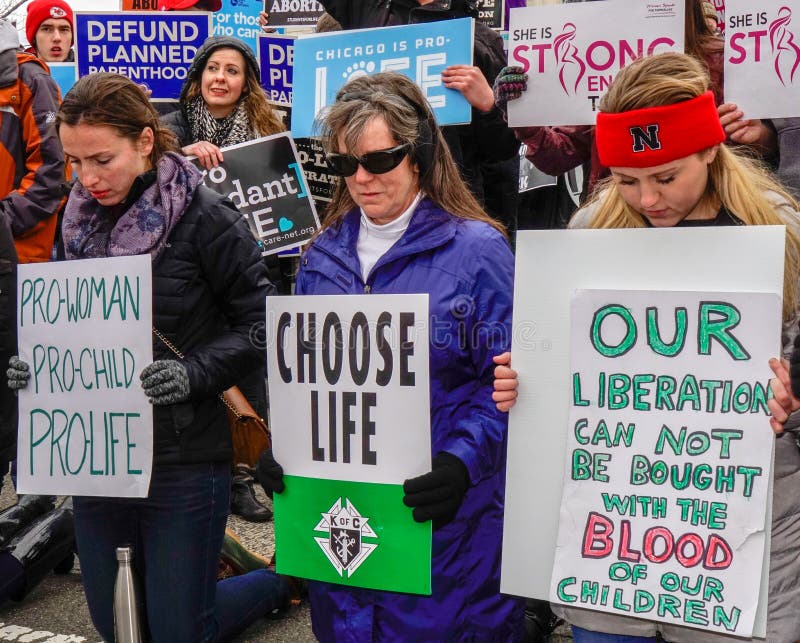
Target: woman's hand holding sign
{"x":785,"y":386}
{"x":207,"y":153}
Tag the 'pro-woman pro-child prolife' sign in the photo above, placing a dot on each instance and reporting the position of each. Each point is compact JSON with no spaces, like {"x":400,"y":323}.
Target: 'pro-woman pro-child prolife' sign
{"x":85,"y":424}
{"x":350,"y":416}
{"x":669,"y":454}
{"x":762,"y":57}
{"x":571,"y":53}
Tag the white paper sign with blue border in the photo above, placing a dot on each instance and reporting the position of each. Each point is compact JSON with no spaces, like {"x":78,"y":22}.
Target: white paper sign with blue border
{"x":154,"y":49}
{"x":420,"y":52}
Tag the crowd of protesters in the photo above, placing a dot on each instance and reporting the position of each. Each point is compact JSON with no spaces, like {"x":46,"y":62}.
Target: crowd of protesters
{"x":417,"y":208}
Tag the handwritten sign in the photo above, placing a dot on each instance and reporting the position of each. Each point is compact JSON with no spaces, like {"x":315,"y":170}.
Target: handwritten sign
{"x":571,"y":53}
{"x":350,"y":417}
{"x":718,"y":260}
{"x":420,"y":52}
{"x":264,"y":179}
{"x":151,"y":48}
{"x":669,"y":455}
{"x":85,"y":330}
{"x":762,"y":58}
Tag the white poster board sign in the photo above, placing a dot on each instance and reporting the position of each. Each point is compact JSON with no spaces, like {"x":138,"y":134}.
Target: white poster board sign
{"x":762,"y":57}
{"x":555,"y":264}
{"x":668,"y":456}
{"x":571,"y":53}
{"x":85,"y":424}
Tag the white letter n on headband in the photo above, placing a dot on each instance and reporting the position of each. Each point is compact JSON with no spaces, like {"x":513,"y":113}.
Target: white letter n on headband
{"x":657,"y":135}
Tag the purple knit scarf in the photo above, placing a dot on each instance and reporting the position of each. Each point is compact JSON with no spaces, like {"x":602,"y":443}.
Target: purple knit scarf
{"x":90,"y":231}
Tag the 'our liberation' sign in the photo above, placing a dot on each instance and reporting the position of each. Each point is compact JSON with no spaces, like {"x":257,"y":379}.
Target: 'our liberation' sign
{"x":421,"y":52}
{"x":669,"y":456}
{"x":571,"y":53}
{"x":350,"y":415}
{"x":762,"y":57}
{"x":85,"y":424}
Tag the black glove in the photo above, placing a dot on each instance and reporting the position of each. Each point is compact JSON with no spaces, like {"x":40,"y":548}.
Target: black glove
{"x":270,"y":474}
{"x":437,"y":495}
{"x":509,"y":85}
{"x":794,"y":367}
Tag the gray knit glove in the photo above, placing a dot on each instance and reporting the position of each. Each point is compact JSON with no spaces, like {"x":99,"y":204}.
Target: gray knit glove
{"x":165,"y":381}
{"x":18,"y":373}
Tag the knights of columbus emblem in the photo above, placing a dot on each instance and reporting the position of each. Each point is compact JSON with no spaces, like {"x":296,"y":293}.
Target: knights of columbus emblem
{"x":343,"y":544}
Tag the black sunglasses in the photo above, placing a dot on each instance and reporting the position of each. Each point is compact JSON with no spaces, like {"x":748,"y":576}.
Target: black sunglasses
{"x":378,"y":162}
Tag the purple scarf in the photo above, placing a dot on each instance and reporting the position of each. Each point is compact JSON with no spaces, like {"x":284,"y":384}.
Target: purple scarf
{"x":90,"y":231}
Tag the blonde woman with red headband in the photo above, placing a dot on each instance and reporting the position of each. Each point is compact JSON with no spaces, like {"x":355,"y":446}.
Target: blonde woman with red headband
{"x":659,"y":133}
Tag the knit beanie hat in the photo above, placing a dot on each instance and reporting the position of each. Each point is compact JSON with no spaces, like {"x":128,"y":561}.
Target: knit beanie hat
{"x":41,"y":10}
{"x":209,"y":47}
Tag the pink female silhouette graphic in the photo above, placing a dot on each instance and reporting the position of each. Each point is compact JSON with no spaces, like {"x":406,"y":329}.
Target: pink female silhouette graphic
{"x":785,"y":52}
{"x":570,"y":66}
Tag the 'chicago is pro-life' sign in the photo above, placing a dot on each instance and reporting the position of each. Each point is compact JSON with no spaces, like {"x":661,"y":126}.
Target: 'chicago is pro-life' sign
{"x":350,"y":417}
{"x":669,"y":454}
{"x":571,"y":53}
{"x":85,"y":330}
{"x":264,"y":179}
{"x":762,"y":57}
{"x":420,"y":52}
{"x":155,"y":49}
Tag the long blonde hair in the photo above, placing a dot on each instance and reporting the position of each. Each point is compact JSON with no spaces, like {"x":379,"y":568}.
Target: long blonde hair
{"x":400,"y":103}
{"x":739,"y":183}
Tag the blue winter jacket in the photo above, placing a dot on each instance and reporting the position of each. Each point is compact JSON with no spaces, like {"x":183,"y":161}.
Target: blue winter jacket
{"x":466,"y":268}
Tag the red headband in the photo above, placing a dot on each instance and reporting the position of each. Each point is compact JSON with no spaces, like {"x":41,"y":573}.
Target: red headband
{"x":656,"y":135}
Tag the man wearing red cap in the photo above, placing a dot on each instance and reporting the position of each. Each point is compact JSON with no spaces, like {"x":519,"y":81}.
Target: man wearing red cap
{"x":48,"y":27}
{"x":189,"y":5}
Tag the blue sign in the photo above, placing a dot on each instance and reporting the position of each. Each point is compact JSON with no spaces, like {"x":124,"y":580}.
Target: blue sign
{"x":239,"y":18}
{"x":420,"y":52}
{"x":276,"y":57}
{"x":151,"y":48}
{"x":65,"y":75}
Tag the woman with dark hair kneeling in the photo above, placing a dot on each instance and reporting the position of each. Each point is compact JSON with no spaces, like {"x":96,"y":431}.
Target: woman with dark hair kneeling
{"x":136,"y":194}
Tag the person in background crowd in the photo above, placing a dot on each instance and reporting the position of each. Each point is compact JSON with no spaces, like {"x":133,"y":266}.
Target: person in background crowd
{"x":221,"y":104}
{"x":136,"y":194}
{"x":49,"y":28}
{"x":32,"y":169}
{"x":402,"y":221}
{"x":693,"y":179}
{"x":485,"y":150}
{"x":555,"y":150}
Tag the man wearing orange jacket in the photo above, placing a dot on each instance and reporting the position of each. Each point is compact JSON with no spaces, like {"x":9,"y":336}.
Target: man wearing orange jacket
{"x":32,"y":165}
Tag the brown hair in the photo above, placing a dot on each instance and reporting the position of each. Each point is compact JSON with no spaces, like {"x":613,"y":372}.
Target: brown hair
{"x":401,"y":104}
{"x":741,"y":184}
{"x":699,"y":37}
{"x":262,"y":117}
{"x":115,"y":101}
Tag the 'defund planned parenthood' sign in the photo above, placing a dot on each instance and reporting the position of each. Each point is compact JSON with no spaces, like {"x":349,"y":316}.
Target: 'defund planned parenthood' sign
{"x":153,"y":49}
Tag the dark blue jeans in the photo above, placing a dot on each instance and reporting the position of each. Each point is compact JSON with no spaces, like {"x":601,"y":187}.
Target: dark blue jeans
{"x":587,"y":636}
{"x":177,"y":534}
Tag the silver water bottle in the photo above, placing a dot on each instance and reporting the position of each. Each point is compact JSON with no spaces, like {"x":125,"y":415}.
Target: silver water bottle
{"x":127,"y":622}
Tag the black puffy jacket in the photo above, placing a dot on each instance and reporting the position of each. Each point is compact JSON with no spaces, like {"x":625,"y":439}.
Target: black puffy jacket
{"x":8,"y":341}
{"x":209,"y":290}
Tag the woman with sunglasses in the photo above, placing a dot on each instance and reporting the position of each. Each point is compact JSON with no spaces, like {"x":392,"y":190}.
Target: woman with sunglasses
{"x":691,"y":179}
{"x":403,"y":221}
